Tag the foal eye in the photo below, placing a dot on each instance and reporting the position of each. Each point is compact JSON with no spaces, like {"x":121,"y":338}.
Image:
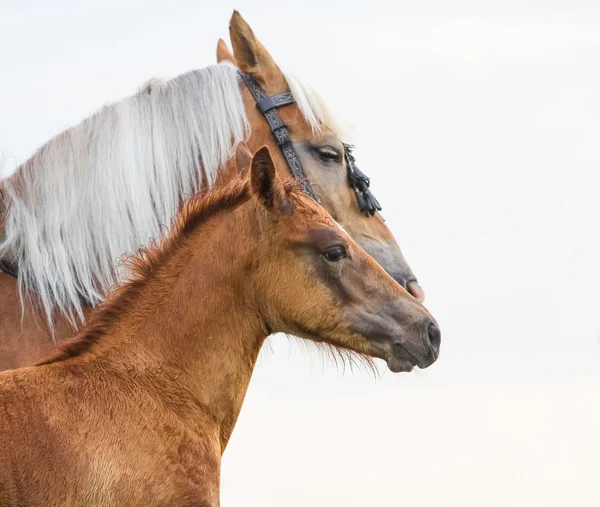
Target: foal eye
{"x":335,"y":254}
{"x":328,"y":154}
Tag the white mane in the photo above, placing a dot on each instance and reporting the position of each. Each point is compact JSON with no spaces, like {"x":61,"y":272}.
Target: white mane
{"x":106,"y":186}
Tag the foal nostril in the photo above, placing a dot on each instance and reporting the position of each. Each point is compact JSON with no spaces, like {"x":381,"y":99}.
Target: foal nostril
{"x":435,"y":338}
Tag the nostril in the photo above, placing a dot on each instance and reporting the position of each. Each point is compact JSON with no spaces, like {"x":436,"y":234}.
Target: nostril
{"x":416,"y":291}
{"x":435,"y":338}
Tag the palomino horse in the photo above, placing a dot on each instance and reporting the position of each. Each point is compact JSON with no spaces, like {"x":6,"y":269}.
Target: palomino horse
{"x":138,"y":409}
{"x":110,"y":184}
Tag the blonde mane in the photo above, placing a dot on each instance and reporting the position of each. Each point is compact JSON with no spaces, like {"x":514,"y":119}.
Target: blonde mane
{"x":112,"y":183}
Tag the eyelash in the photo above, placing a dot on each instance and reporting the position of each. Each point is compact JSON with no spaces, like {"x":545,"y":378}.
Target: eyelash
{"x":336,"y":253}
{"x":328,"y":155}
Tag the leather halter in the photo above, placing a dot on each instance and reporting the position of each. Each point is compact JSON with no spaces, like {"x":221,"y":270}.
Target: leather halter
{"x":268,"y":105}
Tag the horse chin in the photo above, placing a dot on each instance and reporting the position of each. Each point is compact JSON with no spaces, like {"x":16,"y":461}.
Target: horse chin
{"x":397,"y":359}
{"x":398,"y":365}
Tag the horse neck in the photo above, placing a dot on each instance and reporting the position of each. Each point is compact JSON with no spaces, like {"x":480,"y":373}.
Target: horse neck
{"x":191,"y":325}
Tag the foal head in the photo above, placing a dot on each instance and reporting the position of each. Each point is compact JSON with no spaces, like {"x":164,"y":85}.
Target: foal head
{"x":315,"y":282}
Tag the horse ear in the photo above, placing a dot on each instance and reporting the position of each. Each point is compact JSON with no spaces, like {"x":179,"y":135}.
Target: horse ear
{"x":252,"y":57}
{"x":243,"y":157}
{"x":266,"y":185}
{"x":223,"y":53}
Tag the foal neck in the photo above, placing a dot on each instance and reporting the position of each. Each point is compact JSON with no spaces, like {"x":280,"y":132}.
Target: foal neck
{"x":189,"y":326}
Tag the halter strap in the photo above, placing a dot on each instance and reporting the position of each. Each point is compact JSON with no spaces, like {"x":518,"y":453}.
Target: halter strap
{"x":9,"y":268}
{"x":268,"y":105}
{"x":12,"y":269}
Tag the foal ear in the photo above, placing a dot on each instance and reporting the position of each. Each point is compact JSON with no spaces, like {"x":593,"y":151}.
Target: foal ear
{"x":266,"y":185}
{"x":252,"y":57}
{"x":223,"y":53}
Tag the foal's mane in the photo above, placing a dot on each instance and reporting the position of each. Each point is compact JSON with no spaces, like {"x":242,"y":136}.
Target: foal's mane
{"x":148,"y":261}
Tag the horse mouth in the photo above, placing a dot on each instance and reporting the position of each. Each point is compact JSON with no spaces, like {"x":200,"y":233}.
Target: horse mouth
{"x":399,"y":365}
{"x":397,"y":358}
{"x":401,"y":360}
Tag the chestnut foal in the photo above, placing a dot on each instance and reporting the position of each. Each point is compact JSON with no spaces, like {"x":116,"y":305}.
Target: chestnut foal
{"x":138,"y":408}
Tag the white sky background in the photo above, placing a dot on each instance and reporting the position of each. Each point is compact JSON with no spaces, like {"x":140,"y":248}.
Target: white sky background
{"x":479,"y":123}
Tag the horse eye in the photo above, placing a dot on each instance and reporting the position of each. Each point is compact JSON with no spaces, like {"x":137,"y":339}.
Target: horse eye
{"x":328,"y":154}
{"x":336,"y":253}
